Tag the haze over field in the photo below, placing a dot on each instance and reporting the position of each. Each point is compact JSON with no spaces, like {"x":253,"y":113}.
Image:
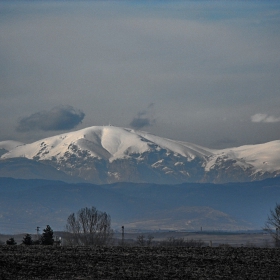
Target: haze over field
{"x":204,"y":72}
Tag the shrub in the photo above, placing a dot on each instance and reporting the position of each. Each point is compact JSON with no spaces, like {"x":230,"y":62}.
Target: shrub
{"x":11,"y":241}
{"x":27,"y":240}
{"x":47,"y":236}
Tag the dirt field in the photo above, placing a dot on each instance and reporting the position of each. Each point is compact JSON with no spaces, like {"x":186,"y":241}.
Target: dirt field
{"x":48,"y":262}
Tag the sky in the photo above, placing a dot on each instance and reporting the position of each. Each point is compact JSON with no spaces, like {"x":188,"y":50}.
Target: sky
{"x":204,"y":72}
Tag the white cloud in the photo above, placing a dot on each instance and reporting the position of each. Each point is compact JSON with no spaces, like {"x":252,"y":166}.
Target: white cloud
{"x":264,"y":118}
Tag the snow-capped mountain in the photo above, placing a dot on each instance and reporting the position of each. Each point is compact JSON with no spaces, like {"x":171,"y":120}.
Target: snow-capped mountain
{"x":106,"y":154}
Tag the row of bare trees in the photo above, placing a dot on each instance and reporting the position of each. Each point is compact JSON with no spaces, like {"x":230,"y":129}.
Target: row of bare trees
{"x":142,"y":240}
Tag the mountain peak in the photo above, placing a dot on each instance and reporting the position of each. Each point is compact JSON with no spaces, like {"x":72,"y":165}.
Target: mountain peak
{"x":105,"y":142}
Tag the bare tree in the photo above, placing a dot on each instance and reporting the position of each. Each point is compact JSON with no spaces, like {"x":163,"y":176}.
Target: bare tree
{"x":149,"y":240}
{"x":141,"y":240}
{"x":272,"y":225}
{"x":89,"y":227}
{"x":181,"y":242}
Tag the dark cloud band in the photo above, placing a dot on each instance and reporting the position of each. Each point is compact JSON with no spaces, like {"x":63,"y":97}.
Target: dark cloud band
{"x":138,"y":123}
{"x":58,"y":118}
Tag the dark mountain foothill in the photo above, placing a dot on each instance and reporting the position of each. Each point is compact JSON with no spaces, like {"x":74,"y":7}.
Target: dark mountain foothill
{"x":26,"y":204}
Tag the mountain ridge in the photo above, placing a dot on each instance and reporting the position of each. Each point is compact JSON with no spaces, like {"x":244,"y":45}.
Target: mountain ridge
{"x":108,"y":154}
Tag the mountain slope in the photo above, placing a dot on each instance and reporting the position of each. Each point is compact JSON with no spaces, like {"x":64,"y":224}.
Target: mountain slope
{"x":258,"y":161}
{"x":107,"y":154}
{"x":23,"y":168}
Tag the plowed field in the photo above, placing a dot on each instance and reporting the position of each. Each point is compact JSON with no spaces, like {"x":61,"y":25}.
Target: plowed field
{"x":47,"y":262}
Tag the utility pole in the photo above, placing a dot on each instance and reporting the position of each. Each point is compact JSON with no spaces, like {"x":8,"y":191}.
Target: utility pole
{"x":38,"y":229}
{"x":122,"y":235}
